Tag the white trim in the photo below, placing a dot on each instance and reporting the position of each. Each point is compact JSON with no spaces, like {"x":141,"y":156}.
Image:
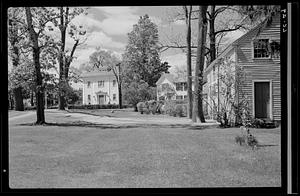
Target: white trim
{"x":270,"y":97}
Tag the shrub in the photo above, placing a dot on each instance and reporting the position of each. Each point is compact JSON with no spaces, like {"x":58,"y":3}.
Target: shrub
{"x":246,"y":138}
{"x":175,"y":108}
{"x":240,"y":139}
{"x":140,"y":107}
{"x":180,"y":110}
{"x":97,"y":106}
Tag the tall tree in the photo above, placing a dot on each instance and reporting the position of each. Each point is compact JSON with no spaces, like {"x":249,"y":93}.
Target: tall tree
{"x":36,"y":19}
{"x":65,"y":17}
{"x":15,"y":37}
{"x":102,"y":59}
{"x":36,"y":57}
{"x":188,"y":14}
{"x":141,"y":57}
{"x":202,"y":31}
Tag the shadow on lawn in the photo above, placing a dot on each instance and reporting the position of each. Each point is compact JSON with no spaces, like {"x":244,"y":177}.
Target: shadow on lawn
{"x":115,"y":126}
{"x":265,"y":145}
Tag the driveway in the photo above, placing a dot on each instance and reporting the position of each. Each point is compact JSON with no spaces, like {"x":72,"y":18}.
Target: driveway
{"x":71,"y":152}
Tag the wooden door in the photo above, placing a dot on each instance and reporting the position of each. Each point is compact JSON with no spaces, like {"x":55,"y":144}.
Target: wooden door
{"x":262,"y":99}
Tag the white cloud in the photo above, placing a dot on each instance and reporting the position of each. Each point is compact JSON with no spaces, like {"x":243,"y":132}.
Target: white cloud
{"x":176,"y":60}
{"x":82,"y":56}
{"x":119,"y":20}
{"x":96,"y":38}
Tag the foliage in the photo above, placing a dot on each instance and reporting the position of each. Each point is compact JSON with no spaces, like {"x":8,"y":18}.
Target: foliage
{"x":246,"y":138}
{"x":136,"y":92}
{"x":166,"y":91}
{"x":175,"y":108}
{"x":107,"y":61}
{"x":96,"y":106}
{"x":233,"y":103}
{"x":141,"y":57}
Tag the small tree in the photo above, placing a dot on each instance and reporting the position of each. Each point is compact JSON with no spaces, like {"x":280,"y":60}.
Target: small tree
{"x":232,"y":103}
{"x":136,"y":92}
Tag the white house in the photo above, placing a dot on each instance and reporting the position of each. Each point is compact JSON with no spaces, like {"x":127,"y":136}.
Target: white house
{"x":258,"y":53}
{"x":170,"y":87}
{"x":99,"y":88}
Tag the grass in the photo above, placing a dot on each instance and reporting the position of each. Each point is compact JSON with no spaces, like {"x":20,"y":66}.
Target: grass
{"x":54,"y":156}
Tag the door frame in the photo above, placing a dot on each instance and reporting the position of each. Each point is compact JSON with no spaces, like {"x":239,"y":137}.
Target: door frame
{"x":270,"y":97}
{"x":103,"y":99}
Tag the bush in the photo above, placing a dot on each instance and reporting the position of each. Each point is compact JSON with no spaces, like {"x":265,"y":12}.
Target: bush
{"x":96,"y":106}
{"x":140,"y":106}
{"x":246,"y":138}
{"x":175,"y":108}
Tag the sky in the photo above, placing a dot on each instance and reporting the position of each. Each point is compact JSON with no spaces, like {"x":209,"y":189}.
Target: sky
{"x":107,"y":27}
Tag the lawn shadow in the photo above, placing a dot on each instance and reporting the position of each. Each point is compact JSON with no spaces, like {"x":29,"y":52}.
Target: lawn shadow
{"x":114,"y":126}
{"x":266,"y":145}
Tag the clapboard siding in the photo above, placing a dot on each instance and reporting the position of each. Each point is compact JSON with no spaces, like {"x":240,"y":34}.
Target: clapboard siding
{"x":261,"y":69}
{"x":255,"y":73}
{"x":267,"y":69}
{"x":244,"y":49}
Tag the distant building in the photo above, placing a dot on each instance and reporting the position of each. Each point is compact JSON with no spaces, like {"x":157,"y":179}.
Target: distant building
{"x":258,"y":52}
{"x":170,"y":87}
{"x":99,"y":88}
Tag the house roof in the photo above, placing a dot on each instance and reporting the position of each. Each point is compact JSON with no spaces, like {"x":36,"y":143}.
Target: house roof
{"x":172,"y":78}
{"x":235,"y":43}
{"x":164,"y":76}
{"x":96,"y":74}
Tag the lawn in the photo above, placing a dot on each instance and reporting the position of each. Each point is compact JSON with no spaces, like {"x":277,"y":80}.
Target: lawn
{"x":68,"y":156}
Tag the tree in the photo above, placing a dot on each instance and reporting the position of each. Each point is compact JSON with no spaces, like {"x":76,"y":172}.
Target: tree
{"x":36,"y":19}
{"x":102,"y":59}
{"x":202,"y":31}
{"x":65,"y":58}
{"x":141,"y":57}
{"x":139,"y":91}
{"x":188,"y":14}
{"x":15,"y":37}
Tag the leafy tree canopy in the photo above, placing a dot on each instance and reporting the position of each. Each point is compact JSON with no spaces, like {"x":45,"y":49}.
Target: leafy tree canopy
{"x":141,"y":55}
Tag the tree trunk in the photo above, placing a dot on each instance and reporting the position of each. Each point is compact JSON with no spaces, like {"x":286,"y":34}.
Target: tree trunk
{"x":61,"y":94}
{"x":31,"y":98}
{"x":212,"y":36}
{"x":202,"y":30}
{"x":120,"y":96}
{"x":19,"y":105}
{"x":36,"y":59}
{"x":189,"y":61}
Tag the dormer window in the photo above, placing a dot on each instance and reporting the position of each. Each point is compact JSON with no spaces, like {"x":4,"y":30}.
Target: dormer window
{"x":266,"y":48}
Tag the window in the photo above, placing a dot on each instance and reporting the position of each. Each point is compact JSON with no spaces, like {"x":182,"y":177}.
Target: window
{"x":100,"y":83}
{"x":114,"y":83}
{"x":179,"y":97}
{"x":261,"y":48}
{"x":88,"y":84}
{"x":180,"y":86}
{"x":185,"y":97}
{"x":114,"y":97}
